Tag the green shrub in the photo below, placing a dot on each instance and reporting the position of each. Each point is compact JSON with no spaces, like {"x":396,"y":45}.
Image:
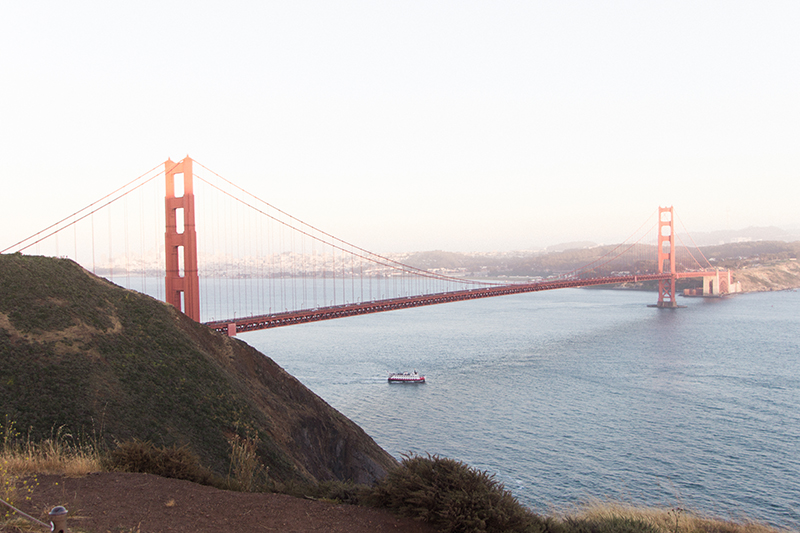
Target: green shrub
{"x":454,"y":498}
{"x":173,"y":462}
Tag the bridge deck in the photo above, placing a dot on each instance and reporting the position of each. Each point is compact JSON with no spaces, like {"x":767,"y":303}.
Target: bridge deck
{"x":327,"y":313}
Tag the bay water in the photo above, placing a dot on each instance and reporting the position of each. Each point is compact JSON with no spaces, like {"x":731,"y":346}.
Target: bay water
{"x":577,"y":394}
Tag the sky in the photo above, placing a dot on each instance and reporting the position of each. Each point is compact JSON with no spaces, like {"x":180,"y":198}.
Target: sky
{"x":415,"y":125}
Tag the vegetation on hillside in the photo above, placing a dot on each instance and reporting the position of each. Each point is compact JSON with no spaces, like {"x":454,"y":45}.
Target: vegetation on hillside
{"x":454,"y":497}
{"x":111,"y":365}
{"x":451,"y":496}
{"x":101,"y":360}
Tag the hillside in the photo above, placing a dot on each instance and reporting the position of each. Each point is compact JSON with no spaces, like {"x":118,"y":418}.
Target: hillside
{"x":759,"y":265}
{"x":111,"y":364}
{"x":771,"y":276}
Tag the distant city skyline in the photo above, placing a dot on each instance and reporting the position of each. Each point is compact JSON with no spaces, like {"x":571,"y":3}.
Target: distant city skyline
{"x":456,"y":126}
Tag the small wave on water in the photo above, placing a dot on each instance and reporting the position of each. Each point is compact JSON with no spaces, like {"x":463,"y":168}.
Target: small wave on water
{"x":576,"y":394}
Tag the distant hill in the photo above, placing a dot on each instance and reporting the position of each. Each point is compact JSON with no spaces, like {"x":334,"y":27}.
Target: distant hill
{"x":753,"y":233}
{"x":529,"y":264}
{"x":771,"y":276}
{"x":576,"y":245}
{"x":80,"y":352}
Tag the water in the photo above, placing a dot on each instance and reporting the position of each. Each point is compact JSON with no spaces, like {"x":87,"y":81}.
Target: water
{"x":573,"y":394}
{"x":227,"y":298}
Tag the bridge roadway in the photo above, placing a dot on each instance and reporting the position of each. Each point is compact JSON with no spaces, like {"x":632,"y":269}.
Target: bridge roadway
{"x":289,"y":318}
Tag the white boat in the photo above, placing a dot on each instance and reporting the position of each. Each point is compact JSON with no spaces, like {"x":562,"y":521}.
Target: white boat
{"x":406,"y":377}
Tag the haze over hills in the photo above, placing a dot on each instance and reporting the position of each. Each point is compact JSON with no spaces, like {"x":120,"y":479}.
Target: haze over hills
{"x":736,"y":255}
{"x":708,"y":238}
{"x":560,"y":258}
{"x":753,"y":233}
{"x":727,"y":248}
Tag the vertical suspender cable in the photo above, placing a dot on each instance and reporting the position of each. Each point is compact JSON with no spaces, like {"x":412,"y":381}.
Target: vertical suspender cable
{"x":127,"y":252}
{"x":280,"y":263}
{"x":271,"y":251}
{"x":294,"y":271}
{"x":262,"y":293}
{"x":303,"y":272}
{"x":352,"y":278}
{"x":344,"y":275}
{"x":229,"y":260}
{"x":110,"y":260}
{"x":314,"y":270}
{"x":333,"y":273}
{"x":248,"y":240}
{"x":324,"y":276}
{"x":141,"y":242}
{"x":94,"y":266}
{"x":157,"y":209}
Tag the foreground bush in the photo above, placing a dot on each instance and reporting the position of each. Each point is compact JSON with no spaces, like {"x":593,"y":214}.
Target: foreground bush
{"x":454,"y":498}
{"x":173,"y":462}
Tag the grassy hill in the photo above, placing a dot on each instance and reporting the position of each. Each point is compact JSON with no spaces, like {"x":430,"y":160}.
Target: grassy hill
{"x":112,"y":364}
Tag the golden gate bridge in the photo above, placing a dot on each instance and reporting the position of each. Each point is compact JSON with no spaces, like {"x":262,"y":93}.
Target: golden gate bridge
{"x":199,"y":234}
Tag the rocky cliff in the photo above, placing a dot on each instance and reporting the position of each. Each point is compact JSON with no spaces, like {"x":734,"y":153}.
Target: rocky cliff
{"x":771,"y":276}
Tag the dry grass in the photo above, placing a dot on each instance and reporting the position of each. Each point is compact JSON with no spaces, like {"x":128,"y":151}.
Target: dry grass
{"x":59,"y":454}
{"x":675,"y":520}
{"x":246,"y":467}
{"x":44,"y":458}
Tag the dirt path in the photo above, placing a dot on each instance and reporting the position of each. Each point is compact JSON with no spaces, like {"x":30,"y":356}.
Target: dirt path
{"x":143,"y":503}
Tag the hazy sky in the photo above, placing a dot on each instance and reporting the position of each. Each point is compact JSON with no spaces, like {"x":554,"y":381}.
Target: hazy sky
{"x":462,"y":126}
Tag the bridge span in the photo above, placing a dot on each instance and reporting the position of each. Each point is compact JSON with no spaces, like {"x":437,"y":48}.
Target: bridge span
{"x":235,"y":237}
{"x":274,"y":320}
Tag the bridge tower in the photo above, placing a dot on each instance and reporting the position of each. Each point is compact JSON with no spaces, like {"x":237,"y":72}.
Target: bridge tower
{"x":666,"y":251}
{"x":182,"y":280}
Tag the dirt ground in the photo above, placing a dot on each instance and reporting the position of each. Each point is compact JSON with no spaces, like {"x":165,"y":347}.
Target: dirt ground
{"x":143,"y":503}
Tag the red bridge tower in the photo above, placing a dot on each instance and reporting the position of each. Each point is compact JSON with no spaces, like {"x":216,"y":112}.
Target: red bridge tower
{"x":666,"y":251}
{"x":182,"y":281}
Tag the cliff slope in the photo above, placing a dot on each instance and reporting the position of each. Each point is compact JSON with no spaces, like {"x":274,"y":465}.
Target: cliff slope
{"x":772,"y":276}
{"x":80,"y":352}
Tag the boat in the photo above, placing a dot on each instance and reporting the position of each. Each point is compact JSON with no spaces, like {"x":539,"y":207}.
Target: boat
{"x":406,"y":377}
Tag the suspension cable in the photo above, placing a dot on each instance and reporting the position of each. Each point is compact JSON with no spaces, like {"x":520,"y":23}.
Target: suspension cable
{"x":381,"y":260}
{"x":695,"y":245}
{"x":403,"y":267}
{"x":79,"y":211}
{"x":585,"y":267}
{"x":690,"y":253}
